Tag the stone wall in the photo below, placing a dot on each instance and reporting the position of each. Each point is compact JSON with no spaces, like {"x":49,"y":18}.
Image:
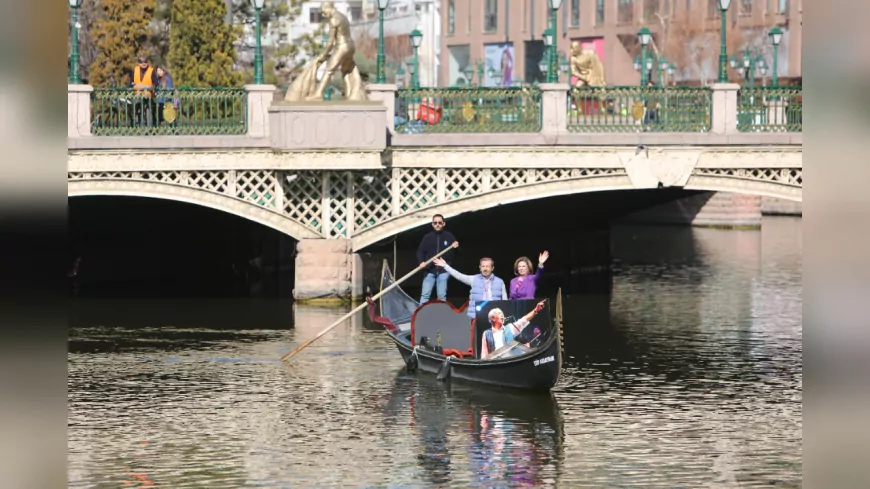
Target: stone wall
{"x":780,"y":207}
{"x":327,"y":271}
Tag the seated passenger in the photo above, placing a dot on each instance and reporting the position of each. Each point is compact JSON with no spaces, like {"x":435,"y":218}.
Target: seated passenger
{"x":500,"y":334}
{"x":485,"y":286}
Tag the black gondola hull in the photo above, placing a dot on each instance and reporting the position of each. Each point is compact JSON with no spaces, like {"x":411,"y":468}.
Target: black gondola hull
{"x":536,"y":370}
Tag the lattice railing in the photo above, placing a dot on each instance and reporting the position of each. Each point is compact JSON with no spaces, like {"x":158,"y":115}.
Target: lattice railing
{"x":792,"y":177}
{"x":631,"y":109}
{"x":342,"y":204}
{"x":770,"y":109}
{"x":472,"y":109}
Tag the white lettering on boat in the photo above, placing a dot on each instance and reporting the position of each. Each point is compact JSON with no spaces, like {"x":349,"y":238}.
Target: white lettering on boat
{"x":544,"y":360}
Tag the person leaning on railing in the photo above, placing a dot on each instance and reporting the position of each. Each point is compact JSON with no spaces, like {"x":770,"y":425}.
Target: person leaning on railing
{"x":144,"y":81}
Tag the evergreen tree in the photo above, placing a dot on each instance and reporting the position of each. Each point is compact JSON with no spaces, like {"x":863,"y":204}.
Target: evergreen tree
{"x":201,"y":52}
{"x":119,"y":34}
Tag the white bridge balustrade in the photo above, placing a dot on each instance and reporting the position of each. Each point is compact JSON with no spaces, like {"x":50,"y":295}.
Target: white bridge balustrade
{"x":312,"y":177}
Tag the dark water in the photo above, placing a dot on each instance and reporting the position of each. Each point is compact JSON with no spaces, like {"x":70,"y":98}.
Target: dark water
{"x":687,"y":373}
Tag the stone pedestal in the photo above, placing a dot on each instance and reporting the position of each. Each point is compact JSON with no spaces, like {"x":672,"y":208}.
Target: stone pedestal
{"x":385,"y":93}
{"x":554,"y":108}
{"x":724,"y":110}
{"x":259,"y":99}
{"x":339,"y":125}
{"x":327,"y":271}
{"x":78,"y":110}
{"x":771,"y":206}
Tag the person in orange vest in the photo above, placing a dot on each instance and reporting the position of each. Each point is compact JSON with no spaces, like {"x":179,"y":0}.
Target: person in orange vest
{"x":144,"y":82}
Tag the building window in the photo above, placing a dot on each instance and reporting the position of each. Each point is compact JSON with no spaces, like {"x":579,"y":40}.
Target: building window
{"x":745,"y":7}
{"x":713,"y":11}
{"x":599,"y":12}
{"x":575,"y":13}
{"x":314,"y":16}
{"x":782,"y":6}
{"x":490,"y":16}
{"x":356,"y":14}
{"x":650,"y":9}
{"x":451,"y":17}
{"x":625,"y":13}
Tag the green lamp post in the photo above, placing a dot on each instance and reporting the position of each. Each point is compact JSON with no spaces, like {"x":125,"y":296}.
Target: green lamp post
{"x":480,"y":73}
{"x":258,"y":52}
{"x":663,"y":66}
{"x":400,"y":76}
{"x":551,"y":76}
{"x":671,"y":71}
{"x":73,"y":75}
{"x":381,"y":77}
{"x":723,"y":51}
{"x":416,"y":39}
{"x":775,"y":37}
{"x":644,"y":36}
{"x":469,"y":74}
{"x":553,"y":67}
{"x":412,"y":70}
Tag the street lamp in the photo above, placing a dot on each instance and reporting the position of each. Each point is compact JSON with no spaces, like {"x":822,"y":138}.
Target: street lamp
{"x":495,"y":76}
{"x":381,"y":77}
{"x":775,"y":37}
{"x":258,"y":52}
{"x":723,"y":52}
{"x":412,"y":69}
{"x":73,"y":76}
{"x":663,"y":66}
{"x":552,"y":69}
{"x":637,"y":63}
{"x":550,"y":75}
{"x":469,"y":73}
{"x":400,"y":76}
{"x":416,"y":39}
{"x":644,"y":36}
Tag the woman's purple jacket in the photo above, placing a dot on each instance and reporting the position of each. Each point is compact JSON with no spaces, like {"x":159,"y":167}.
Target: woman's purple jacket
{"x":525,"y":290}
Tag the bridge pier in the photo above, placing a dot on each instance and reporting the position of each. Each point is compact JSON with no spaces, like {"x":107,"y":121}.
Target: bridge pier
{"x":327,"y":272}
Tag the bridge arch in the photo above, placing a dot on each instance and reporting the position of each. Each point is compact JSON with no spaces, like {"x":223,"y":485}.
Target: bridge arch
{"x":190,"y":195}
{"x":779,"y":183}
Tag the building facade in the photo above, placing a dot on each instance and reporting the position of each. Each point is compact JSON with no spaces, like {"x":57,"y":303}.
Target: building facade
{"x":505,"y":36}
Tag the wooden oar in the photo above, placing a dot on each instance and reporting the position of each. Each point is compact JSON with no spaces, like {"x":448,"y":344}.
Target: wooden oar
{"x":361,"y":307}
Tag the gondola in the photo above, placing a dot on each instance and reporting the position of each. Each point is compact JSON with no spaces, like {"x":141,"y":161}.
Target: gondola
{"x":438,"y":338}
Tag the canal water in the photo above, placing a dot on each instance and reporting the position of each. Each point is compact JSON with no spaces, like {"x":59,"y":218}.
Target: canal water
{"x":683,"y":370}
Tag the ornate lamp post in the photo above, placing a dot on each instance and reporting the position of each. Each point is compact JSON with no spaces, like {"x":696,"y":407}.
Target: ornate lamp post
{"x":637,"y":63}
{"x":495,"y":76}
{"x":549,"y":59}
{"x":775,"y":37}
{"x":382,"y":77}
{"x":412,"y":69}
{"x":553,"y":67}
{"x":563,"y":63}
{"x":74,"y":78}
{"x":644,"y":36}
{"x":480,"y":73}
{"x":258,"y":52}
{"x":416,"y":39}
{"x":663,"y":66}
{"x":723,"y":51}
{"x":671,"y":71}
{"x":400,"y":76}
{"x":469,"y":74}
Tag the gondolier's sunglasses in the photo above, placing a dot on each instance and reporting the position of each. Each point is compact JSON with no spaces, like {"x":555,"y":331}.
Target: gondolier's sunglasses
{"x":437,"y":223}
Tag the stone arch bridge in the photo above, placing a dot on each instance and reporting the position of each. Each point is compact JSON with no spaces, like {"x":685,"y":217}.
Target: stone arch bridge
{"x":365,"y":206}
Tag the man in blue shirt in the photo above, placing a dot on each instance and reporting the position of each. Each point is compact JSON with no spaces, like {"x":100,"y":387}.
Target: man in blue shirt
{"x":484,"y":286}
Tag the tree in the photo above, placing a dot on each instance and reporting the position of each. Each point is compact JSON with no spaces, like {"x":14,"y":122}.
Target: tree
{"x":201,"y":51}
{"x":119,"y":34}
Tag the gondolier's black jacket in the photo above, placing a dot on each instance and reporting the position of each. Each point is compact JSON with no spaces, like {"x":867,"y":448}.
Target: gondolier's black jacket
{"x":432,"y":244}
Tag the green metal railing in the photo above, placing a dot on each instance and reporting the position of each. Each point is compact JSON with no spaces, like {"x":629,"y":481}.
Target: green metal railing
{"x":770,"y":109}
{"x":632,"y":109}
{"x":197,"y":111}
{"x":468,"y":110}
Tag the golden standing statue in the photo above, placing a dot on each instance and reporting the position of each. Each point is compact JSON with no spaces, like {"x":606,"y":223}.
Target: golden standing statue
{"x":587,"y":67}
{"x":305,"y":87}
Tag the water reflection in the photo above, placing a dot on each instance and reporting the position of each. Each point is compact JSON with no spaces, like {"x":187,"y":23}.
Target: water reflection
{"x":685,"y":371}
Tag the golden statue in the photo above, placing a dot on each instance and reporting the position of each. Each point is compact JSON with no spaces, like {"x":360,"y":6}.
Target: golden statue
{"x":586,"y":66}
{"x":305,"y":86}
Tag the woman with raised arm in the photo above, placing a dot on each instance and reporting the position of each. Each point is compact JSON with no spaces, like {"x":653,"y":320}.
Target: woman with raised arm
{"x":524,"y":285}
